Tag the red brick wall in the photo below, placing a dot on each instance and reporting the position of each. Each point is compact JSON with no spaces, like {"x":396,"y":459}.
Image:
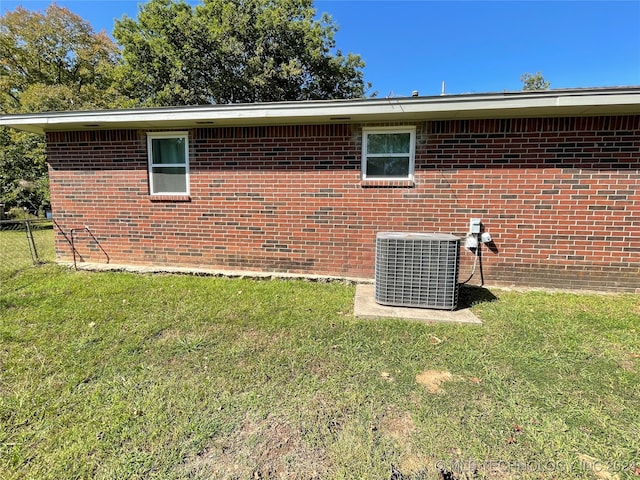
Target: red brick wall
{"x":560,"y":196}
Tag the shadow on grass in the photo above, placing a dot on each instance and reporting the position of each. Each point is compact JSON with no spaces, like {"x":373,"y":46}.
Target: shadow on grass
{"x":470,"y":295}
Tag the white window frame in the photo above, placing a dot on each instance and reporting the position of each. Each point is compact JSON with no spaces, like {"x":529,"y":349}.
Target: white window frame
{"x":160,"y":135}
{"x":382,"y":130}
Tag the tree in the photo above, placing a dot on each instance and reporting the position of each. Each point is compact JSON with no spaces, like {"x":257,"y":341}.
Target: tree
{"x":48,"y":61}
{"x":55,"y":61}
{"x":534,"y":82}
{"x":230,"y":51}
{"x":23,"y":171}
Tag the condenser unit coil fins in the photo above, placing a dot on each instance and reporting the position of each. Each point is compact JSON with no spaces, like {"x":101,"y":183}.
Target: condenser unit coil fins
{"x":417,"y":270}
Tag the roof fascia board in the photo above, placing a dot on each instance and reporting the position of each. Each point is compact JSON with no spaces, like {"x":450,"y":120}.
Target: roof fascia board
{"x":548,"y":103}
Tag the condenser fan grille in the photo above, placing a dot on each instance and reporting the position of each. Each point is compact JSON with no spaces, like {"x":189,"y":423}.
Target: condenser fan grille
{"x":417,"y":270}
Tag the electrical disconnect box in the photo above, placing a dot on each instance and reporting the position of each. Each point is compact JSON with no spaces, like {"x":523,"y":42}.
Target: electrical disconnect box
{"x":474,"y":225}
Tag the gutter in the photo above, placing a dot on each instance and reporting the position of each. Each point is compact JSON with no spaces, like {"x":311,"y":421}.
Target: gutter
{"x":552,"y":103}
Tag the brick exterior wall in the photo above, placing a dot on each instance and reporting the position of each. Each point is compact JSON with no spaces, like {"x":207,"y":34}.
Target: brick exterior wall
{"x":560,"y":197}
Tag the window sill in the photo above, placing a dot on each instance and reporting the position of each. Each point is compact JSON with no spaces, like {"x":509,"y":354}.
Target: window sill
{"x":170,"y":198}
{"x":381,"y":183}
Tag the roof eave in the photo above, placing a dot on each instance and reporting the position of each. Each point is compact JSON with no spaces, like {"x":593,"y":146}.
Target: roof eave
{"x":473,"y":106}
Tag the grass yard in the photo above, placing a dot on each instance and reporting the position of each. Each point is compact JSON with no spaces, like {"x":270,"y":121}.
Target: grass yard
{"x":15,"y":253}
{"x":114,"y":375}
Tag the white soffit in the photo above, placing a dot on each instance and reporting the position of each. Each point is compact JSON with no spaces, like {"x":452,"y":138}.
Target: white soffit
{"x":552,"y":103}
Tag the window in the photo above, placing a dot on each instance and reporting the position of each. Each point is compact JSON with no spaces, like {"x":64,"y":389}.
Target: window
{"x":168,"y":163}
{"x":388,"y":153}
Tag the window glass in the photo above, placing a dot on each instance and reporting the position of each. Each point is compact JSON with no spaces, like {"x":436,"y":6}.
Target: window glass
{"x":168,"y":163}
{"x":388,"y":167}
{"x":388,"y":142}
{"x":169,"y":179}
{"x":388,"y":153}
{"x":168,"y":150}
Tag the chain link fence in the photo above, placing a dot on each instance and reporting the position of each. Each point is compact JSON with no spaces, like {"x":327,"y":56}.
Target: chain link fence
{"x":24,"y":243}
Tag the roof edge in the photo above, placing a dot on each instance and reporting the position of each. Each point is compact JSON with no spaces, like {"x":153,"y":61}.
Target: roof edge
{"x":561,"y":102}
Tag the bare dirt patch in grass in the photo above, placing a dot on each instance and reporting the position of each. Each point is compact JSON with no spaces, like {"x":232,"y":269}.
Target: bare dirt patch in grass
{"x":398,"y":425}
{"x":432,"y":379}
{"x":597,"y":467}
{"x":266,"y":448}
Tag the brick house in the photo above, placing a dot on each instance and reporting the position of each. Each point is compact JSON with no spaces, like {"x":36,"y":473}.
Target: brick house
{"x":304,"y":187}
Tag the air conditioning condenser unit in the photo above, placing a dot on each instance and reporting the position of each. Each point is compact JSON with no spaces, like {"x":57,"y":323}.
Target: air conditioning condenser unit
{"x":417,"y":270}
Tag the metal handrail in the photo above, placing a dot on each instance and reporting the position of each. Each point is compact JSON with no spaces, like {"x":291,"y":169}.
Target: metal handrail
{"x":73,"y":247}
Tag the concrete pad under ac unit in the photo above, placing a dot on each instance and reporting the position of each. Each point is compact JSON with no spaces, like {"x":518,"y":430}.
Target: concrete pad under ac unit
{"x":365,"y":306}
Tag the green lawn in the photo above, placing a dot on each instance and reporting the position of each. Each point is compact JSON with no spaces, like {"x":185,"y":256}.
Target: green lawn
{"x":114,"y":375}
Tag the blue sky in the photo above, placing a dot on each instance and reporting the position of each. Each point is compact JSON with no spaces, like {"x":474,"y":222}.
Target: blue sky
{"x":473,"y":46}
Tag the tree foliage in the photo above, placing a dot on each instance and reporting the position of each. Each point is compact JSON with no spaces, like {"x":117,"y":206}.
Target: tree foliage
{"x":230,"y":51}
{"x":23,"y":171}
{"x":534,"y":82}
{"x":54,"y":61}
{"x":48,"y":61}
